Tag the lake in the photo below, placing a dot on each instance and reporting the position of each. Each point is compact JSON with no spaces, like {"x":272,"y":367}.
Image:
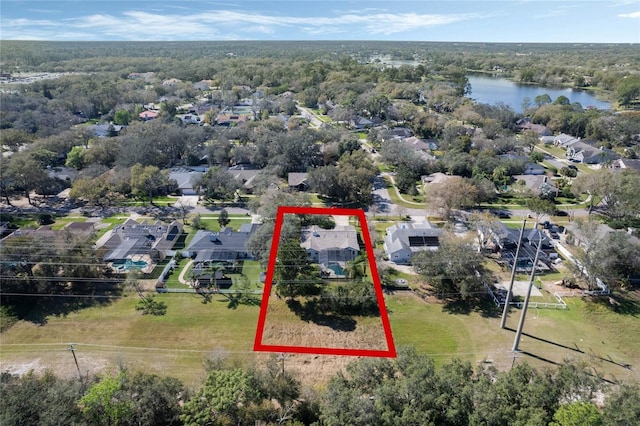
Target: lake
{"x":491,"y":90}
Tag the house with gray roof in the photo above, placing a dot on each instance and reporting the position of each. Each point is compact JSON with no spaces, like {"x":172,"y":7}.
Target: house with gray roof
{"x":581,"y":152}
{"x":135,"y":238}
{"x":298,"y":181}
{"x":563,"y":140}
{"x":226,"y":246}
{"x":186,"y":177}
{"x":626,"y":163}
{"x":403,"y":240}
{"x":536,"y":184}
{"x":329,"y":246}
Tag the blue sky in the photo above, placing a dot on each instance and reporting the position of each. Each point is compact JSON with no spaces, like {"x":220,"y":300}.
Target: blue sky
{"x":546,"y":21}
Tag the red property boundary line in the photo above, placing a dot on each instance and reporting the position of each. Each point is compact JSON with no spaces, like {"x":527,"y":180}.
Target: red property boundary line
{"x":258,"y":346}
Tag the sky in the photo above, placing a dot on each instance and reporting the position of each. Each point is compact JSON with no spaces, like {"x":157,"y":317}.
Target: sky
{"x":508,"y":21}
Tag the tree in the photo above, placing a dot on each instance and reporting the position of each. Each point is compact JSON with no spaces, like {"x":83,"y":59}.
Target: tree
{"x":623,"y":406}
{"x":121,"y":117}
{"x":222,"y":400}
{"x":577,"y":413}
{"x":294,"y":275}
{"x":33,"y":399}
{"x":489,"y":229}
{"x":455,"y":270}
{"x":454,"y":193}
{"x":540,"y":206}
{"x":218,"y":184}
{"x":615,"y":258}
{"x":542,"y":99}
{"x":75,"y":157}
{"x":628,"y":90}
{"x":223,"y":218}
{"x":26,"y":173}
{"x":147,"y":181}
{"x":105,"y":404}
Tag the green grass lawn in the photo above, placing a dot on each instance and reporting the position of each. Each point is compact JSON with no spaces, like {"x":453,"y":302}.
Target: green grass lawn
{"x":177,"y":343}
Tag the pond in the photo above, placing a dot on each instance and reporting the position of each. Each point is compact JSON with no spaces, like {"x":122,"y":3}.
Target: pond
{"x":491,"y":90}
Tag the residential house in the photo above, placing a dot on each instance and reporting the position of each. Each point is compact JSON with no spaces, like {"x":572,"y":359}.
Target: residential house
{"x":298,"y":181}
{"x":403,"y":240}
{"x":535,"y":184}
{"x":202,"y":85}
{"x":148,"y":115}
{"x":434,"y":178}
{"x":397,"y":133}
{"x":329,"y":247}
{"x":525,"y":124}
{"x":581,"y":152}
{"x":106,"y":130}
{"x":421,"y":146}
{"x":185,"y":178}
{"x":626,"y":163}
{"x":244,"y":174}
{"x":171,"y":82}
{"x":224,"y":247}
{"x":564,"y":140}
{"x":138,"y":239}
{"x":45,"y":232}
{"x":231,"y":119}
{"x":361,"y":123}
{"x":529,"y":167}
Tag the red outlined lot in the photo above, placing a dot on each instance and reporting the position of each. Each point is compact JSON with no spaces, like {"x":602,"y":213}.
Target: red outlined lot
{"x":390,"y":352}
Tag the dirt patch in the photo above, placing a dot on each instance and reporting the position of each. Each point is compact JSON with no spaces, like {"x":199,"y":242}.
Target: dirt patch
{"x":283,"y":327}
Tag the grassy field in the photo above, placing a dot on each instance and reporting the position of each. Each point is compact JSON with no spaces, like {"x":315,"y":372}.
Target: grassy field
{"x":177,"y":343}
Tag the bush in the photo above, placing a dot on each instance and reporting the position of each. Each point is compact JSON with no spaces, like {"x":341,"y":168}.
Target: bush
{"x":45,"y":219}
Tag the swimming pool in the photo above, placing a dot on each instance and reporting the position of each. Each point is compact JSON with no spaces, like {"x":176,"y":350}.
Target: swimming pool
{"x":128,"y":264}
{"x":335,"y":267}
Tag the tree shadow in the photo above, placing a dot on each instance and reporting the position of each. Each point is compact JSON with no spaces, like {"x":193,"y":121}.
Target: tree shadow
{"x":310,"y":312}
{"x":482,"y":304}
{"x":620,"y":303}
{"x":240,"y":298}
{"x":38,"y":308}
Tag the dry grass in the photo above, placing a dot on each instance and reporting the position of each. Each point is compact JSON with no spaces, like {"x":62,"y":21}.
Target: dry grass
{"x":283,"y":327}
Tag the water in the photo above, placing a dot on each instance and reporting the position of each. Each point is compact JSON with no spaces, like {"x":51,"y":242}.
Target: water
{"x":128,"y":264}
{"x":491,"y":90}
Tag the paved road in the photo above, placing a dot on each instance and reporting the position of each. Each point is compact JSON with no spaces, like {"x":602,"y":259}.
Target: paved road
{"x":306,"y":113}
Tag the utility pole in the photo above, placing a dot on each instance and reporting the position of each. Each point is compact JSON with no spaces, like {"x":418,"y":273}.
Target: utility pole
{"x":526,"y":300}
{"x":282,"y":357}
{"x":73,"y":352}
{"x":507,"y":300}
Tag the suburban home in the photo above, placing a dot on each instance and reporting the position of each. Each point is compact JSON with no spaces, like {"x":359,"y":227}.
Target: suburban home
{"x":106,"y":130}
{"x":331,"y":247}
{"x":397,"y":133}
{"x":224,"y":247}
{"x":148,"y":115}
{"x":525,"y":124}
{"x":231,"y":119}
{"x":564,"y":140}
{"x":403,"y":240}
{"x":298,"y":181}
{"x":361,"y":123}
{"x":185,"y":177}
{"x":530,"y":168}
{"x":581,"y":152}
{"x":244,"y":174}
{"x":139,"y":240}
{"x":536,"y":184}
{"x":527,"y":254}
{"x":80,"y":230}
{"x":422,"y":146}
{"x":434,"y":178}
{"x":626,"y":163}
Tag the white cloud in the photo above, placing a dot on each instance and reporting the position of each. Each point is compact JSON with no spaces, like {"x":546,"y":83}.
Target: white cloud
{"x":143,"y":25}
{"x":633,"y":15}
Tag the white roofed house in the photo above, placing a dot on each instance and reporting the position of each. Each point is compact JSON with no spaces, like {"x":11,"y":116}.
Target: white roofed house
{"x":403,"y":240}
{"x":331,"y":247}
